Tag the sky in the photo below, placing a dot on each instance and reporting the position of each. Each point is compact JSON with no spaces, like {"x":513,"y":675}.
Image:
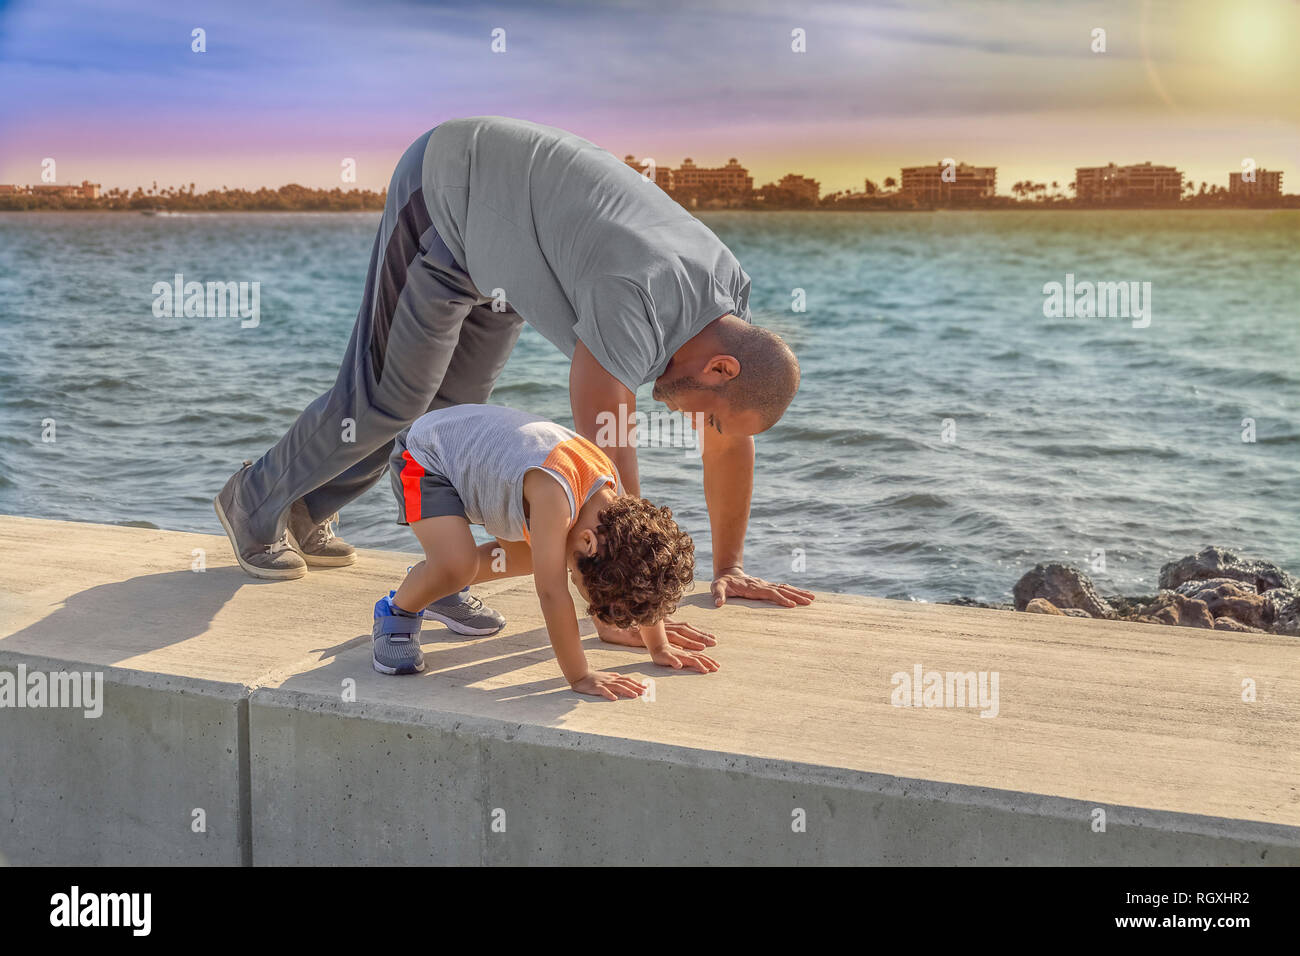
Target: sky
{"x":286,"y":91}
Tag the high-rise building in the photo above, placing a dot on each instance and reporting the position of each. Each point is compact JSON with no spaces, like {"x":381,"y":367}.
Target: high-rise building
{"x":732,"y":179}
{"x":87,"y":190}
{"x":662,"y":176}
{"x":1267,"y":183}
{"x":1141,"y":182}
{"x":963,"y":183}
{"x":801,"y":187}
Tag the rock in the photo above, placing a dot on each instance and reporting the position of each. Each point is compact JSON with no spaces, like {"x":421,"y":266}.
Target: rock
{"x":1195,"y":586}
{"x":1234,"y":599}
{"x":1226,"y":623}
{"x":1064,"y":586}
{"x":1212,"y":562}
{"x":1128,"y":607}
{"x":1042,"y":606}
{"x":964,"y":601}
{"x":1076,"y":612}
{"x":1286,"y":610}
{"x":1170,"y":607}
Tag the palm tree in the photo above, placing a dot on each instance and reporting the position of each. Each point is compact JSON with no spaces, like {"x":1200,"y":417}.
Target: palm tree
{"x":890,"y":182}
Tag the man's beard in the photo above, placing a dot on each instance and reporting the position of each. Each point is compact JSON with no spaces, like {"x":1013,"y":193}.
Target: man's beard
{"x":668,"y":391}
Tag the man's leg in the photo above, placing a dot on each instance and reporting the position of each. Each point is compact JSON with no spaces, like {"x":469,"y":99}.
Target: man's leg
{"x":482,"y":349}
{"x":406,"y":333}
{"x":486,"y":340}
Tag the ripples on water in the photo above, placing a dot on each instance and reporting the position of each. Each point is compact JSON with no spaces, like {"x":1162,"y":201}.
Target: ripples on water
{"x":1071,"y":435}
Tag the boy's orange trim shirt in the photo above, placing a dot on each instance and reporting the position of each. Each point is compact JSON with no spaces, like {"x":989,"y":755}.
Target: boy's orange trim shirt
{"x":583,"y":465}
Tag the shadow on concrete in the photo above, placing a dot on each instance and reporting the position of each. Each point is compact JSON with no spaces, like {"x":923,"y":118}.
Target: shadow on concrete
{"x":452,"y":666}
{"x":110,"y":623}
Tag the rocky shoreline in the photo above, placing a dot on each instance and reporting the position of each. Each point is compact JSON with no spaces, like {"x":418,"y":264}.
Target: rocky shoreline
{"x":1214,"y":588}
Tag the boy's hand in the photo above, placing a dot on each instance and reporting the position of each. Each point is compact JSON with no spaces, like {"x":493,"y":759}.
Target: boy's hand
{"x":677,"y":659}
{"x":679,"y":633}
{"x":607,"y":685}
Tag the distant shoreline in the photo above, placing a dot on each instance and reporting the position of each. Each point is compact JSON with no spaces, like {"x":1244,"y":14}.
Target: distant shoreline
{"x":295,"y":198}
{"x":1288,"y":202}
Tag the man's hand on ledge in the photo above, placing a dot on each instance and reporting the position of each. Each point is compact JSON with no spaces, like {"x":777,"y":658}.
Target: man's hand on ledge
{"x":734,"y":582}
{"x":680,"y":634}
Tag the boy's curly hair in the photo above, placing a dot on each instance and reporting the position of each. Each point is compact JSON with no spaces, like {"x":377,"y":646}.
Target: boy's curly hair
{"x":643,"y":564}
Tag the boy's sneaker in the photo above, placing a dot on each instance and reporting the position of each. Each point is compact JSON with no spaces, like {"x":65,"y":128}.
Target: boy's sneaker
{"x":396,"y":640}
{"x":317,"y":543}
{"x":464,"y":614}
{"x":274,"y":560}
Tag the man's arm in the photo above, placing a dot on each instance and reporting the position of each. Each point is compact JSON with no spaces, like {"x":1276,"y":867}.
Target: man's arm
{"x":728,"y":487}
{"x":593,"y":391}
{"x":728,"y":462}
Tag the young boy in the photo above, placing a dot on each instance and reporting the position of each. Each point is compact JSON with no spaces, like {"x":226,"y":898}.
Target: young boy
{"x":553,"y":501}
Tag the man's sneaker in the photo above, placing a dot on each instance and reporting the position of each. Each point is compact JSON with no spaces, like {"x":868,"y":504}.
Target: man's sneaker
{"x":464,"y":614}
{"x":275,"y":560}
{"x":396,"y":640}
{"x":317,"y":543}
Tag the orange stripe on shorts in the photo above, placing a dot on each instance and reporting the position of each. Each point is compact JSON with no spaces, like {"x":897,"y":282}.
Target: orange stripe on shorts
{"x":412,"y":474}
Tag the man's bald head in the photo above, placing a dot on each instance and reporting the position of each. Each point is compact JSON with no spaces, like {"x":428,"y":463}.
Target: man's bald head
{"x":748,"y":367}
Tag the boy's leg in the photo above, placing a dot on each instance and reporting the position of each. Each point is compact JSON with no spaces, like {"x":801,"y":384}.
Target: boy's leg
{"x":430,"y":505}
{"x":503,"y":559}
{"x":450,"y":562}
{"x":486,"y":340}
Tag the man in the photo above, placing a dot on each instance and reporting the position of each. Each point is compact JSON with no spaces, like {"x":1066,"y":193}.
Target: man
{"x":490,"y":222}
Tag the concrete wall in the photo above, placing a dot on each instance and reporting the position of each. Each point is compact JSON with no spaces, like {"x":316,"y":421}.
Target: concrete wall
{"x":299,"y":753}
{"x":418,"y":788}
{"x":122,"y":788}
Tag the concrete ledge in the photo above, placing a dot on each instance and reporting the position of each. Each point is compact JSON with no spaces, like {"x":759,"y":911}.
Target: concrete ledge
{"x":123,"y":788}
{"x":419,"y":787}
{"x":300,"y":753}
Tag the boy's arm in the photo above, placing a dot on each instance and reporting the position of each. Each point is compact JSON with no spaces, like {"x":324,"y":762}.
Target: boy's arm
{"x":549,"y":528}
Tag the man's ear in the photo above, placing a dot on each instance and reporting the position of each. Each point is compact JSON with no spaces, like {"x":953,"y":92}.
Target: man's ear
{"x":588,"y":544}
{"x":721,"y":368}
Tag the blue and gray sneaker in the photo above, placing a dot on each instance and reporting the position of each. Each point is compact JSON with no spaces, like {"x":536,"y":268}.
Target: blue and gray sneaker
{"x":396,"y":640}
{"x":464,"y":614}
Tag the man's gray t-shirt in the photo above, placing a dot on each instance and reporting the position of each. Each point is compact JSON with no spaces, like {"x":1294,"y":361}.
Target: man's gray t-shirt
{"x":581,"y":245}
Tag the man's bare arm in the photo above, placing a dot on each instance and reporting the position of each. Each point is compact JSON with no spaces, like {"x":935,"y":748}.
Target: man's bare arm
{"x":728,"y":487}
{"x":728,"y":462}
{"x":593,"y":390}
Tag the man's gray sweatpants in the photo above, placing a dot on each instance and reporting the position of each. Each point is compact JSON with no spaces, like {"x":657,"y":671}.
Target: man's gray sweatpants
{"x":425,"y":338}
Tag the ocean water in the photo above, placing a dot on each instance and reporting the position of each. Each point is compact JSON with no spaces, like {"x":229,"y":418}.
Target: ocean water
{"x":1069,"y":436}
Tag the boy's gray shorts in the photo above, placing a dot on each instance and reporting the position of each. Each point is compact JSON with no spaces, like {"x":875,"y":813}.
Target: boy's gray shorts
{"x":420,"y":493}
